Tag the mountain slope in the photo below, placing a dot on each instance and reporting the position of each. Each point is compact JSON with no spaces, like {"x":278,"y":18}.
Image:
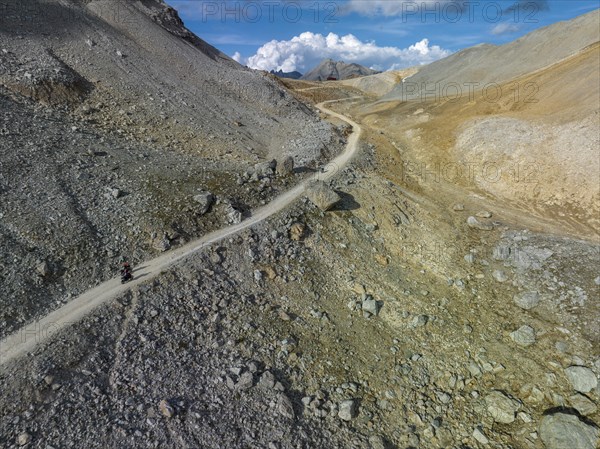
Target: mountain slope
{"x":139,"y":57}
{"x":113,"y":117}
{"x":482,"y":65}
{"x":289,"y":75}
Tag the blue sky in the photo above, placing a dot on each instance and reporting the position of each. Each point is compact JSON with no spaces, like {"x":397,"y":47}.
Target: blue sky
{"x":384,"y":34}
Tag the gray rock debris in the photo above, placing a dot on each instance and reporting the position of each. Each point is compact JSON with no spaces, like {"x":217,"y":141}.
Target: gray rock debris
{"x":562,"y":431}
{"x":582,"y":378}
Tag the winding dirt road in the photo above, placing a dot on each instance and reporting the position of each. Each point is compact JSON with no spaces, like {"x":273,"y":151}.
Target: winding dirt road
{"x":24,"y":340}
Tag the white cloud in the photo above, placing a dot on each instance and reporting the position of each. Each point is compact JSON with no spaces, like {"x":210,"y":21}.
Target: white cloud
{"x":307,"y":50}
{"x":237,"y":57}
{"x":505,"y":28}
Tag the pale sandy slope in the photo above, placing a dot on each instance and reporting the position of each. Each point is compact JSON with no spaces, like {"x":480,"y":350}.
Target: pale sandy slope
{"x":381,"y":83}
{"x":26,"y":339}
{"x":486,"y":64}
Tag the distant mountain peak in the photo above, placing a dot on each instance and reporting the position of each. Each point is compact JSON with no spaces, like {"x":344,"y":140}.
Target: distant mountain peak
{"x":329,"y":69}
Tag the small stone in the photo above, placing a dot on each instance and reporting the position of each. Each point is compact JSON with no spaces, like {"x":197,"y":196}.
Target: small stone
{"x":524,"y":417}
{"x":370,"y":305}
{"x":286,"y":166}
{"x":116,"y":193}
{"x":458,"y":207}
{"x":501,"y":407}
{"x":564,"y":431}
{"x":561,"y":346}
{"x":166,"y":409}
{"x":476,"y":224}
{"x":527,"y":300}
{"x":484,"y":214}
{"x":419,"y":321}
{"x":43,"y":269}
{"x":470,"y":258}
{"x":582,"y":378}
{"x":499,"y":275}
{"x":480,"y":436}
{"x":23,"y":439}
{"x":297,"y":231}
{"x":347,"y":410}
{"x":267,"y":380}
{"x":246,"y":381}
{"x":524,"y":336}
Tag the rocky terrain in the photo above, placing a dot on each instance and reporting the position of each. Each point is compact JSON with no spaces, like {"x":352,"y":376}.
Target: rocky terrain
{"x":99,"y":162}
{"x":339,"y":70}
{"x":395,"y":306}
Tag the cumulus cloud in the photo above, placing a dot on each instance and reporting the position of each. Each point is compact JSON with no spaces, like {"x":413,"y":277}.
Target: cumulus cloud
{"x":237,"y":57}
{"x":505,"y":28}
{"x":307,"y":50}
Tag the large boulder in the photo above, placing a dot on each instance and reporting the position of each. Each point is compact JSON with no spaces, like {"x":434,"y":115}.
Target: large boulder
{"x":322,"y":196}
{"x":204,"y":200}
{"x":286,"y":166}
{"x":234,"y":216}
{"x":564,"y":431}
